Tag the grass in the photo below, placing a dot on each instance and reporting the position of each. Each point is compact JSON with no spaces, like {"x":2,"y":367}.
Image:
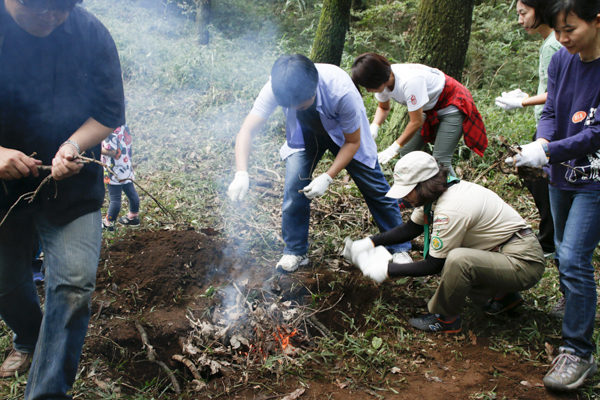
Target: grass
{"x":185,"y":105}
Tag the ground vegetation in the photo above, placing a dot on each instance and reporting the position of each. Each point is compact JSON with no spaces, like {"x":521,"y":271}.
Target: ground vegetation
{"x":202,"y":288}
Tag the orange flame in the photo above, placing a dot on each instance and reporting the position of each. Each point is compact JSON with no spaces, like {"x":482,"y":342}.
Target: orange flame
{"x":283,"y":337}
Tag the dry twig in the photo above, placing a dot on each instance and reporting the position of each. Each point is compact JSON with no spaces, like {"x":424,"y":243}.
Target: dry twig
{"x":30,"y":196}
{"x":152,"y":357}
{"x":188,"y":364}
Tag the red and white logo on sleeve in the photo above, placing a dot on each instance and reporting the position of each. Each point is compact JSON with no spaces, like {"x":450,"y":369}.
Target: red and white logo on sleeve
{"x":413,"y":100}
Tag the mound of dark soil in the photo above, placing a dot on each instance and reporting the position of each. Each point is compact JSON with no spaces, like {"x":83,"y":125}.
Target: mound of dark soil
{"x":159,"y":278}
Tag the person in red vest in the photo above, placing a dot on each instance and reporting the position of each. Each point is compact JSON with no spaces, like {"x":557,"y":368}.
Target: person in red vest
{"x":438,"y":106}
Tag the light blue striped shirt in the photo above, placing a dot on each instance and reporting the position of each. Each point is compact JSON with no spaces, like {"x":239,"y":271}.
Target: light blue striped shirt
{"x":340,"y":107}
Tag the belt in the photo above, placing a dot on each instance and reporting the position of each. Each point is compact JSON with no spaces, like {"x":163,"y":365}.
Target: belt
{"x":517,"y":235}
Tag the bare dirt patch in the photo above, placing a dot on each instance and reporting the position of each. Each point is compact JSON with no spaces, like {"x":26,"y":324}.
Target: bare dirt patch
{"x":162,"y":278}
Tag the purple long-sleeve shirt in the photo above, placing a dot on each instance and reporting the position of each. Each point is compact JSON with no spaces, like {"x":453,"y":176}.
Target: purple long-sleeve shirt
{"x":569,"y":122}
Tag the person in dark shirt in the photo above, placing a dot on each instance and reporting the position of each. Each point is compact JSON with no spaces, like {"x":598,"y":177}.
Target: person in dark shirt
{"x":568,"y":140}
{"x":61,"y":94}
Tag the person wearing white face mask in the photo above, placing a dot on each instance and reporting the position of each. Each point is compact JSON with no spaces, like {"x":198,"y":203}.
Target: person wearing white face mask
{"x":568,"y":141}
{"x":440,"y":109}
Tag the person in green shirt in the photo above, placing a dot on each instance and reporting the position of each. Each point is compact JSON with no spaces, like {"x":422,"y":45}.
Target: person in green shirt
{"x":531,"y":18}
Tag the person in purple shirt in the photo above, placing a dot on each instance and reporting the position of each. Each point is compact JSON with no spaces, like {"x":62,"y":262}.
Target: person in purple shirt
{"x":569,"y":142}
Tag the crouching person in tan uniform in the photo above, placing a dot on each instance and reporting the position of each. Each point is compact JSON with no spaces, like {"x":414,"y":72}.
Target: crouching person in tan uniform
{"x":481,"y":246}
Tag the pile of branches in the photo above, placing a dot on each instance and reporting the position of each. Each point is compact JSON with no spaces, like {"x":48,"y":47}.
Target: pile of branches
{"x":247,"y":331}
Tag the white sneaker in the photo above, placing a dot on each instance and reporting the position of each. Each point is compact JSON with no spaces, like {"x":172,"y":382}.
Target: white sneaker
{"x":402,"y":257}
{"x":290,"y":263}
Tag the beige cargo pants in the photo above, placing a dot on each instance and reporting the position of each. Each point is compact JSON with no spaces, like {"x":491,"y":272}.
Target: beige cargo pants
{"x":480,"y":274}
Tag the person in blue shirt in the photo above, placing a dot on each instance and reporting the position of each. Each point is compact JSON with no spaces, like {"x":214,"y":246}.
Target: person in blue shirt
{"x":324,"y":111}
{"x":568,"y":140}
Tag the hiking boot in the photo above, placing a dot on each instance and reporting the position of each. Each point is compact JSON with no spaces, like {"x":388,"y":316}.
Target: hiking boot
{"x":558,"y":310}
{"x":508,"y":302}
{"x":569,"y":371}
{"x":290,"y":263}
{"x":401,"y":257}
{"x":16,"y":362}
{"x":131,"y":222}
{"x":434,"y":323}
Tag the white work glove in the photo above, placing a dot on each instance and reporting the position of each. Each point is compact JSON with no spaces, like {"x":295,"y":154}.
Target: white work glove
{"x":374,"y":130}
{"x":353,"y":248}
{"x":511,"y":100}
{"x":239,"y":187}
{"x":389,"y":153}
{"x":532,"y":155}
{"x":374,"y":263}
{"x":318,"y":186}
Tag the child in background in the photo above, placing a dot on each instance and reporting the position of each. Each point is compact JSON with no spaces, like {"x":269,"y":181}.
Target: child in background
{"x":116,"y":153}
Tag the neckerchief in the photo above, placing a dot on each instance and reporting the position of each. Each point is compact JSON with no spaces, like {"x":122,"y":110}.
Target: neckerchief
{"x":452,"y":180}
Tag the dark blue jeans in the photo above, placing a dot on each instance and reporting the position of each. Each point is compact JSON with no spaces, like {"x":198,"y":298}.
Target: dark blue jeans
{"x":296,"y":206}
{"x":577,"y":233}
{"x":71,"y":253}
{"x":114,"y":194}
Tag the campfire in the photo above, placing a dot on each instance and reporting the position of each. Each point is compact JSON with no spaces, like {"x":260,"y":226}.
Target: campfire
{"x":245,"y":330}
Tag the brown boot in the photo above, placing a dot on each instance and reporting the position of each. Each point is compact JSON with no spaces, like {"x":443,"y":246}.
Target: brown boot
{"x":16,"y":361}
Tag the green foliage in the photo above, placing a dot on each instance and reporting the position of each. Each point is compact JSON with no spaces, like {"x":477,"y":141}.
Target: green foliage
{"x":186,"y":104}
{"x":383,"y":27}
{"x":501,"y":55}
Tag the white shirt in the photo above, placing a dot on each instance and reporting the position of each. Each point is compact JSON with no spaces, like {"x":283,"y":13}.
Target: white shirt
{"x":416,"y":86}
{"x":340,"y":107}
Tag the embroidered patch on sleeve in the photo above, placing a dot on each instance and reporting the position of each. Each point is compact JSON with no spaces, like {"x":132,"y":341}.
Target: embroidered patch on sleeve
{"x":437,"y":243}
{"x":441,"y":219}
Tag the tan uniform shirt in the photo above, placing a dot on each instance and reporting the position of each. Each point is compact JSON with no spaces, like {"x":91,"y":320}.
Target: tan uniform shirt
{"x":469,"y":215}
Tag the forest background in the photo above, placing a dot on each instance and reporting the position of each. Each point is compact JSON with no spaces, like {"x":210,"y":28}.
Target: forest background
{"x":186,"y":103}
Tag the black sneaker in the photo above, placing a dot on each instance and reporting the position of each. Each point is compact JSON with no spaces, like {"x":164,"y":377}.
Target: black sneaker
{"x":508,"y":302}
{"x":131,"y":222}
{"x":433,"y":323}
{"x":110,"y":227}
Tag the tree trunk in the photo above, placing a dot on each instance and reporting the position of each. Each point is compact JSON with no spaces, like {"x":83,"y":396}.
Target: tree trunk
{"x":358,"y":5}
{"x":202,"y":20}
{"x":442,"y":35}
{"x":331,"y":32}
{"x":440,"y":41}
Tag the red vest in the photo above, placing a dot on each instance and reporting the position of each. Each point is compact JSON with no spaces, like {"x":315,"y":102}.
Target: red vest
{"x":455,"y":94}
